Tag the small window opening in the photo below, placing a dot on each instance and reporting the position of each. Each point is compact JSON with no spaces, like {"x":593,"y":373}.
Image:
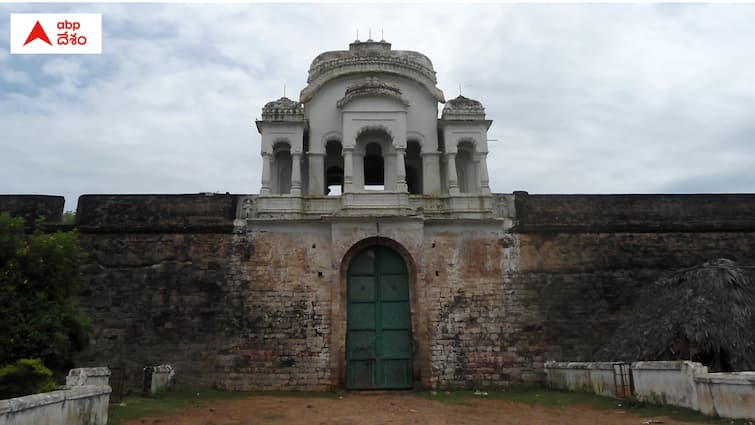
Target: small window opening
{"x":333,"y":168}
{"x":413,"y":165}
{"x":374,"y":168}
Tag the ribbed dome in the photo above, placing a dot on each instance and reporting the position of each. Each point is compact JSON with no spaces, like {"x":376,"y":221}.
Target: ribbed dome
{"x":370,"y":57}
{"x":463,"y":108}
{"x":283,"y":109}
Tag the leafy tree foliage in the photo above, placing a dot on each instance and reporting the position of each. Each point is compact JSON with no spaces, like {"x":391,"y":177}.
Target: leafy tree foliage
{"x":39,"y":281}
{"x":26,"y":376}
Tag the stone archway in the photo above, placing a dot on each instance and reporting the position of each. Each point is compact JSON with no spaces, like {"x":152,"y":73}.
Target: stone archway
{"x":374,"y":306}
{"x":378,"y":321}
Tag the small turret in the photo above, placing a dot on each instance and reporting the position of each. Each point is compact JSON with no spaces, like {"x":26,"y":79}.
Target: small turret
{"x":463,"y":108}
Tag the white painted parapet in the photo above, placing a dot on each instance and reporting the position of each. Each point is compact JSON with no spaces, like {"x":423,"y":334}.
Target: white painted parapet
{"x":590,"y":377}
{"x":88,"y":376}
{"x":670,"y":382}
{"x":679,"y":383}
{"x":79,"y":404}
{"x":162,"y":378}
{"x":729,"y":395}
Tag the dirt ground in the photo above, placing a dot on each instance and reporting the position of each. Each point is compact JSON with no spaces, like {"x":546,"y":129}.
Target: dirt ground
{"x":398,"y":409}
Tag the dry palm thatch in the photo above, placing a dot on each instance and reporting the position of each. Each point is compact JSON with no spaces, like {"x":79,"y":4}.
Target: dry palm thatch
{"x":705,"y":313}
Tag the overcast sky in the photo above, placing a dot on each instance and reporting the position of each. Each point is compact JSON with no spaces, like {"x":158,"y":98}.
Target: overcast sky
{"x":587,"y":98}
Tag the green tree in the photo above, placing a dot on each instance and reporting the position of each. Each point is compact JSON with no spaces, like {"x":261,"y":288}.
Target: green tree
{"x":26,"y":376}
{"x":39,"y":283}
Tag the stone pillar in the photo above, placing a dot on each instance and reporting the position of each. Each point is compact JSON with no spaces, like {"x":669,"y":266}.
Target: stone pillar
{"x":452,"y":180}
{"x":316,"y":174}
{"x":431,"y":173}
{"x":482,"y":171}
{"x":265,"y":188}
{"x":348,"y":169}
{"x":401,"y":171}
{"x":296,"y":173}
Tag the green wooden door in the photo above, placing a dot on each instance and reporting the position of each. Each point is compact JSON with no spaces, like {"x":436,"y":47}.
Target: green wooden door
{"x":378,"y":340}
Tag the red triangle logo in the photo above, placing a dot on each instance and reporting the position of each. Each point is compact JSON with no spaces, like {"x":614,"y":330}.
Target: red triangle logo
{"x":37,"y":33}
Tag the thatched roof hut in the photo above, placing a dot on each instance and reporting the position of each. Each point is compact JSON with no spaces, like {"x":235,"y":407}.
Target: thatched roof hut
{"x":705,"y":313}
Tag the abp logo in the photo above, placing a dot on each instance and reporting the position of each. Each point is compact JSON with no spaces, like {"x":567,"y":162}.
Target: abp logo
{"x":55,"y":33}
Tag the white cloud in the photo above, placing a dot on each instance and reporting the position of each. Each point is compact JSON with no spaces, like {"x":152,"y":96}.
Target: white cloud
{"x":598,"y":98}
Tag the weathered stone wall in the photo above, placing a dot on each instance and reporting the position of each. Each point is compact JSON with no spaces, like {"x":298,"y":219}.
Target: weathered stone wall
{"x":280,"y":292}
{"x":583,"y":258}
{"x":646,"y":213}
{"x":477,"y":322}
{"x":261,"y":304}
{"x":202,"y":213}
{"x":168,"y":281}
{"x":31,"y":207}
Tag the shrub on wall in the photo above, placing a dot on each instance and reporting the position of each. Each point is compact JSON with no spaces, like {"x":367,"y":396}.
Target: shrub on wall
{"x":39,"y":283}
{"x":26,"y":376}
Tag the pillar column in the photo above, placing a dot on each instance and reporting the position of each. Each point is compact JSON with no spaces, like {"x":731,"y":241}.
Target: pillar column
{"x":296,"y":173}
{"x":482,"y":171}
{"x":451,"y":178}
{"x":401,"y":185}
{"x":265,"y":188}
{"x":431,"y":173}
{"x":348,"y":169}
{"x":316,"y":174}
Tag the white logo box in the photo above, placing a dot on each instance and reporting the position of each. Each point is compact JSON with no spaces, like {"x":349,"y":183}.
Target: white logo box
{"x":65,"y":31}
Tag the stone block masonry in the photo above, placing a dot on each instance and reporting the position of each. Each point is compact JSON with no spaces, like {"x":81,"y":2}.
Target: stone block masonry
{"x":260,"y":303}
{"x":31,"y":207}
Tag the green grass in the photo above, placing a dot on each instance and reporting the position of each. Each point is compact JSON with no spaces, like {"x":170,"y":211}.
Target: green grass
{"x":462,"y":398}
{"x":134,"y":407}
{"x":173,"y":401}
{"x":169,"y":402}
{"x":555,"y":399}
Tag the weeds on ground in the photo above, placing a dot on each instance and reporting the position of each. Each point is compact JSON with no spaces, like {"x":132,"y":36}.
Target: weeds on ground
{"x":462,"y":397}
{"x":168,"y":402}
{"x":555,"y":399}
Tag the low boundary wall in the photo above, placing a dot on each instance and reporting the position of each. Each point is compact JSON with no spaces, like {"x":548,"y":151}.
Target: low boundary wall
{"x":596,"y":377}
{"x":84,"y":401}
{"x":679,"y":383}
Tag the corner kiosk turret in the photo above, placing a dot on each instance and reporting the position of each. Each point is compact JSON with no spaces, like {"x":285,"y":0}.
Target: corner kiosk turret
{"x":365,"y":139}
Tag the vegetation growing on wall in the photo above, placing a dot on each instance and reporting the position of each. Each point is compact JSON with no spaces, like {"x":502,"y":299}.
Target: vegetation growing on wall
{"x":39,"y":283}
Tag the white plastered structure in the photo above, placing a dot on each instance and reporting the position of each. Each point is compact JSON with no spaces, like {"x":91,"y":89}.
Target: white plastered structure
{"x":367,"y":123}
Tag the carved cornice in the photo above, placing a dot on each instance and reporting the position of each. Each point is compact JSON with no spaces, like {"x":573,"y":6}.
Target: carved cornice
{"x":370,"y":57}
{"x":371,"y":86}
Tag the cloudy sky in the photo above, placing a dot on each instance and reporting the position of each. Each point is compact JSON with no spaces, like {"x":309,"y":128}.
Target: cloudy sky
{"x":586,"y":98}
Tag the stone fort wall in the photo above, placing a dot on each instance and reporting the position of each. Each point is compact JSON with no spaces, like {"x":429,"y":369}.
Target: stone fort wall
{"x":171,"y":279}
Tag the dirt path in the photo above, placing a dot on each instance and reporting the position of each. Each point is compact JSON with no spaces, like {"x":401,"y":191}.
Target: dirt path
{"x":393,"y":409}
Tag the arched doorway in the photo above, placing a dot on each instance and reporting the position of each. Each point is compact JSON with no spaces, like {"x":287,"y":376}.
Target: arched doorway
{"x":282,"y":166}
{"x":333,"y":168}
{"x":378,"y":337}
{"x":413,"y":164}
{"x":465,"y":168}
